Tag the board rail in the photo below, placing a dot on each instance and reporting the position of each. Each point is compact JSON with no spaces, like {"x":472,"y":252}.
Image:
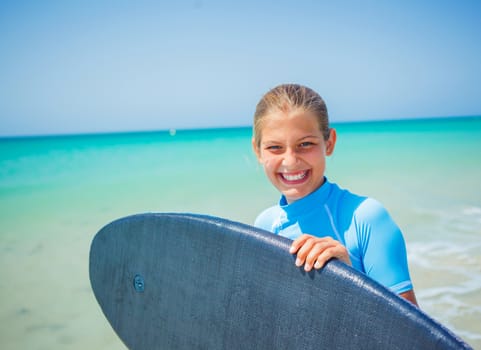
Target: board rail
{"x":189,"y":281}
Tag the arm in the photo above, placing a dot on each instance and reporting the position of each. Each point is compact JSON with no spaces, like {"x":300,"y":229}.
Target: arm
{"x":383,"y":249}
{"x":410,"y":296}
{"x":314,"y":252}
{"x":381,"y":242}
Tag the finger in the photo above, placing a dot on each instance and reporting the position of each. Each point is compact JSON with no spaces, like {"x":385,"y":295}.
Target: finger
{"x":315,"y":251}
{"x":304,"y":250}
{"x":337,"y":251}
{"x":298,"y":242}
{"x":312,"y":247}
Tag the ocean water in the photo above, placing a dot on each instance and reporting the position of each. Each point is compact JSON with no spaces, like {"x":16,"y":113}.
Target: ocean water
{"x":57,"y":192}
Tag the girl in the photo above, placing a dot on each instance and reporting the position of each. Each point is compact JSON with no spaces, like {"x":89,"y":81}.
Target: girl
{"x":291,"y":140}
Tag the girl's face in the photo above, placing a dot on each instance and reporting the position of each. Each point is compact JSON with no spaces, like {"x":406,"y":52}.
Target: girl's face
{"x":293,"y":152}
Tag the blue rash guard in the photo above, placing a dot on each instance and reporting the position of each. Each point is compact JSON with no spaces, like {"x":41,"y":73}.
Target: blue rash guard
{"x":374,"y":242}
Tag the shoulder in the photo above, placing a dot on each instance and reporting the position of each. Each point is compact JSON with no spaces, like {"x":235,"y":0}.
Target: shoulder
{"x":371,"y":210}
{"x":344,"y":197}
{"x":266,"y":218}
{"x":372,"y":222}
{"x":376,"y":228}
{"x":361,"y":209}
{"x":344,"y":204}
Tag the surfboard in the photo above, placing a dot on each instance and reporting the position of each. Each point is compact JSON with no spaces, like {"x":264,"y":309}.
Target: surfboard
{"x":186,"y":281}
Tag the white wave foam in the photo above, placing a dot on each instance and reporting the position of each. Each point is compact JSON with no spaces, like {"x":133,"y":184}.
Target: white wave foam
{"x":472,"y":211}
{"x":449,"y":272}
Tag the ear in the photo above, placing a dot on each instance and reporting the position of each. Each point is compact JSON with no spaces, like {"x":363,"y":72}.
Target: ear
{"x":331,"y":142}
{"x":256,"y":150}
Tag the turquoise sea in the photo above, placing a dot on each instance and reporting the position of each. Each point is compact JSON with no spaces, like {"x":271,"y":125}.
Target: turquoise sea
{"x":57,"y":192}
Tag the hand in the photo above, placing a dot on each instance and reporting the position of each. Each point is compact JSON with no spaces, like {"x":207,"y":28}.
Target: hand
{"x":315,"y":252}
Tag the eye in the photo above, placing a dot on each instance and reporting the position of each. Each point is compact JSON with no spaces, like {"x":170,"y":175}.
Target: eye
{"x":306,"y":144}
{"x":273,"y":149}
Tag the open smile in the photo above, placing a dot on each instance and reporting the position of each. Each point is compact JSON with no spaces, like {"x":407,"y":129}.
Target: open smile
{"x":294,"y":178}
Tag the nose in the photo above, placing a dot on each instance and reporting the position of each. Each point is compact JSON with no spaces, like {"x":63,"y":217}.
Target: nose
{"x":290,"y":158}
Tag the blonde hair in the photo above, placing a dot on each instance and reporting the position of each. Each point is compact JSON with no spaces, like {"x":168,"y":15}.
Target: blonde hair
{"x":289,"y":97}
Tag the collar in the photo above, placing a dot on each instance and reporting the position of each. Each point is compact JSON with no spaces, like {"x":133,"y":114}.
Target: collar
{"x":307,"y":203}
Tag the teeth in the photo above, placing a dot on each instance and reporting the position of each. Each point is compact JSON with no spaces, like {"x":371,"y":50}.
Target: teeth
{"x":295,"y":177}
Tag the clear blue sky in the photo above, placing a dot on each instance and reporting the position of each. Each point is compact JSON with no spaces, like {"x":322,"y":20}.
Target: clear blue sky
{"x":99,"y":66}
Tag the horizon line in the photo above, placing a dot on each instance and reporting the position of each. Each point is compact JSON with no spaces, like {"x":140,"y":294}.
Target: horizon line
{"x":209,"y":128}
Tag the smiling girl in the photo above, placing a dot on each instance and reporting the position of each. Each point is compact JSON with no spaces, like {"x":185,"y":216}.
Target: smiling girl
{"x":291,"y":139}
